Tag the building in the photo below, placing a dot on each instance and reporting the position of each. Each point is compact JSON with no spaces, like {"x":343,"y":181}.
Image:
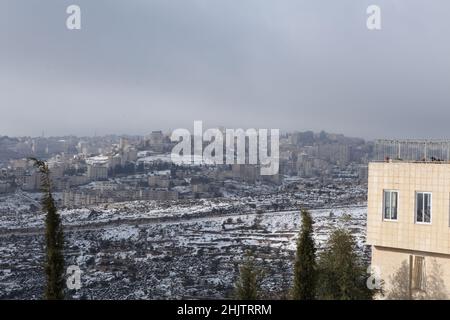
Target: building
{"x":335,"y":153}
{"x":363,"y":172}
{"x":156,"y":141}
{"x":128,"y":155}
{"x":39,"y":146}
{"x":97,"y":172}
{"x":5,"y":187}
{"x":159,"y":180}
{"x":408,"y":227}
{"x":80,"y":198}
{"x":155,"y":138}
{"x":304,"y":165}
{"x":245,"y":172}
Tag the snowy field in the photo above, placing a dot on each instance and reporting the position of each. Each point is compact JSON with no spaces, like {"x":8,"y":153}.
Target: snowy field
{"x":127,"y":251}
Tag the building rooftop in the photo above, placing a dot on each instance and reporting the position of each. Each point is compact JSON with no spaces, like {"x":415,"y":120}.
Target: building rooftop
{"x":433,"y":151}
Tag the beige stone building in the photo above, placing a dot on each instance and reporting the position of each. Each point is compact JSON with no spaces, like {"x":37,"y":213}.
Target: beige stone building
{"x":408,"y":227}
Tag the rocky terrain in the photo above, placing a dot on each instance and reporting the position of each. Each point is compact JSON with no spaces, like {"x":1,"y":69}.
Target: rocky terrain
{"x":143,"y":250}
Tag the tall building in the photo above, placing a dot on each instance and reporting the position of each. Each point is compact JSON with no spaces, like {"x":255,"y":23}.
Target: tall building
{"x":39,"y":146}
{"x":97,"y":172}
{"x":155,"y":138}
{"x":156,"y":141}
{"x":408,"y":227}
{"x":305,"y":165}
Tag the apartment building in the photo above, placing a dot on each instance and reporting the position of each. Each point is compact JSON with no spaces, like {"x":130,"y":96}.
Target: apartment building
{"x":97,"y":172}
{"x":408,"y":226}
{"x":80,"y":198}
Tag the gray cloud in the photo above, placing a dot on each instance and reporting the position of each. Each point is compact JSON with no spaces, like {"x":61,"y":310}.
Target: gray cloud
{"x":142,"y":65}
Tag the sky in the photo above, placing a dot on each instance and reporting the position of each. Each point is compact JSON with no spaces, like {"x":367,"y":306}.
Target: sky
{"x":142,"y":65}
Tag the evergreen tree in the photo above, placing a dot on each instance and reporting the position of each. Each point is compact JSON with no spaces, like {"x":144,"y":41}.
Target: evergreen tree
{"x":248,"y":284}
{"x":342,"y":274}
{"x":54,"y":237}
{"x":305,"y":262}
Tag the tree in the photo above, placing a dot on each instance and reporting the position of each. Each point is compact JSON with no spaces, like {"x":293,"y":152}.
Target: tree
{"x":54,"y":237}
{"x":342,"y":274}
{"x":401,"y":286}
{"x":305,"y":277}
{"x":248,"y":284}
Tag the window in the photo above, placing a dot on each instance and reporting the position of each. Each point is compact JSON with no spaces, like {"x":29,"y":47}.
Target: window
{"x":418,"y":273}
{"x":390,"y":205}
{"x":423,"y":207}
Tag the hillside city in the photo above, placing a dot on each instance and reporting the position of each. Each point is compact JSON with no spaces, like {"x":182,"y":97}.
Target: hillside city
{"x":141,"y":227}
{"x":94,"y":170}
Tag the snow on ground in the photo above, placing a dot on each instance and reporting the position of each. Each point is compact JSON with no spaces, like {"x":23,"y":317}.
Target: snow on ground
{"x":152,"y":250}
{"x":121,"y":233}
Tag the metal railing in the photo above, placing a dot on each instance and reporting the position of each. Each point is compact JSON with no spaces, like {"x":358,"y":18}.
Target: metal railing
{"x":412,"y":150}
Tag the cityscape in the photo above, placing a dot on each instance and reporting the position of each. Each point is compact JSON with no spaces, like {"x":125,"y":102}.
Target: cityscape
{"x":230,"y":158}
{"x":148,"y":211}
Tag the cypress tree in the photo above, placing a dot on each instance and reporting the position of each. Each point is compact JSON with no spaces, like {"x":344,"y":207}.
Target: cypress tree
{"x":54,"y":237}
{"x":248,"y":283}
{"x":342,"y":274}
{"x":304,"y":287}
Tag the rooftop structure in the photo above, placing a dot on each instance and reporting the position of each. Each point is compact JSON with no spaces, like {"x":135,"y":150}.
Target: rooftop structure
{"x":413,"y":150}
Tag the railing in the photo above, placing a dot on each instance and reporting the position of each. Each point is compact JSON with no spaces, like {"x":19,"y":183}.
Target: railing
{"x":412,"y":150}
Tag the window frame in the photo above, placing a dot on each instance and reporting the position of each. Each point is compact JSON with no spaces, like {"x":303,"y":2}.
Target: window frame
{"x":423,"y":202}
{"x":390,"y":202}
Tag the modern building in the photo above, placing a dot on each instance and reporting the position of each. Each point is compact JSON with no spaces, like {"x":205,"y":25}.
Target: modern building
{"x":408,"y":226}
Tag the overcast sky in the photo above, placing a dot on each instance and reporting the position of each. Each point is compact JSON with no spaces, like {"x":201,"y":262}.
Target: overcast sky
{"x":142,"y":65}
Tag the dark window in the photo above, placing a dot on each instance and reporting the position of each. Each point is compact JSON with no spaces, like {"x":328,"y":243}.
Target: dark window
{"x":390,"y":205}
{"x":423,"y":207}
